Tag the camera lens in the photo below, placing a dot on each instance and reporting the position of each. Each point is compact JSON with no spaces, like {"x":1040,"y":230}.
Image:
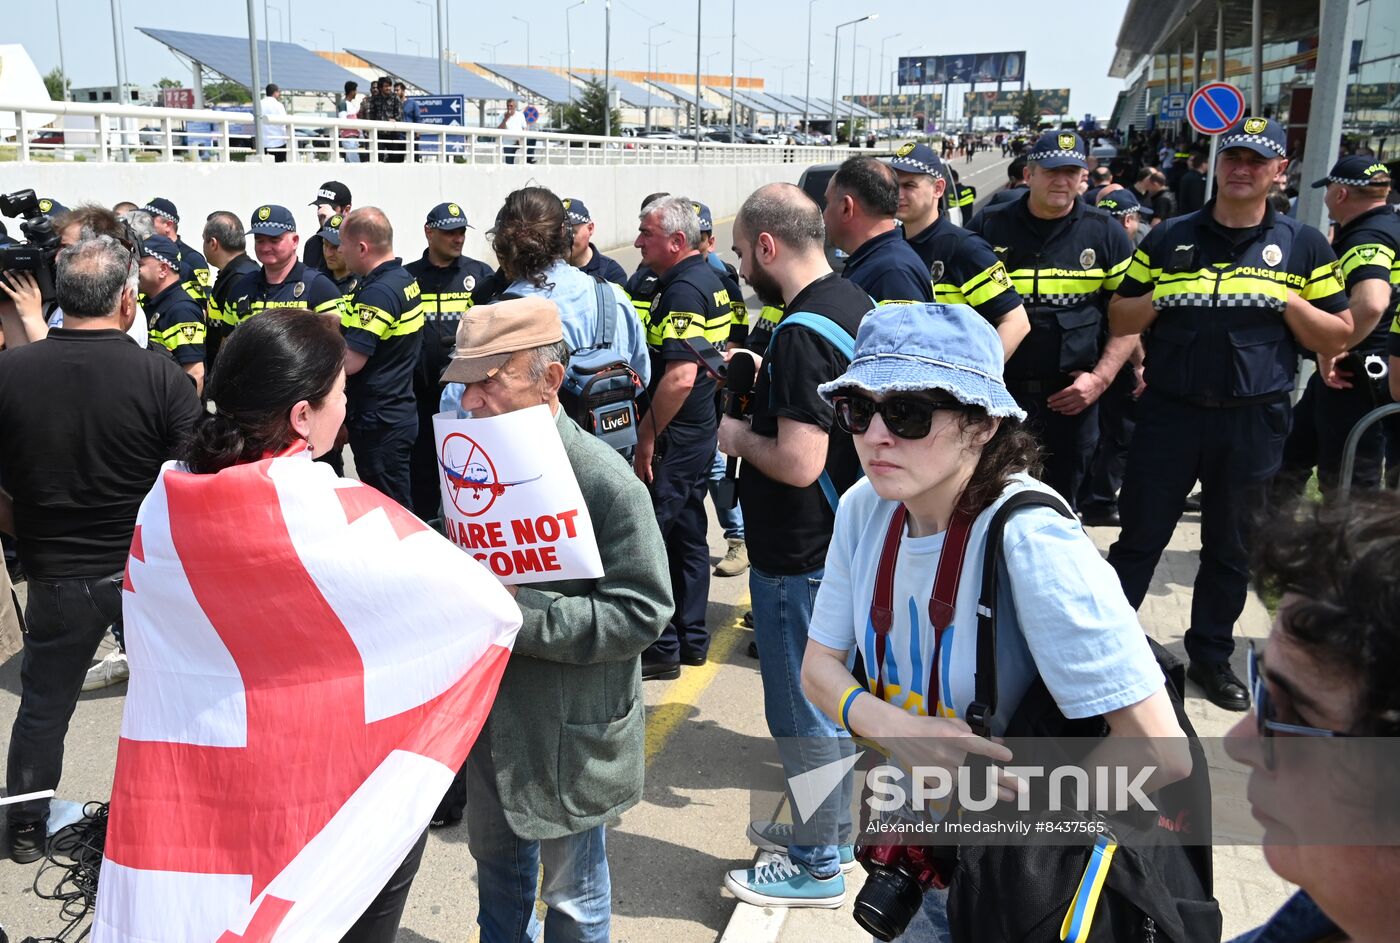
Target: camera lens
{"x":887,"y":903}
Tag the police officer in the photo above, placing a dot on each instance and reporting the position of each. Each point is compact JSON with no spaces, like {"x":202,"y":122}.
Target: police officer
{"x":643,"y":284}
{"x":964,"y":196}
{"x":450,"y":283}
{"x":335,"y":267}
{"x":176,"y":321}
{"x":1065,"y":259}
{"x":226,"y":248}
{"x":1098,"y":495}
{"x":688,"y":320}
{"x":381,"y":326}
{"x":862,"y":198}
{"x":962,"y":267}
{"x":585,"y":254}
{"x":1367,"y":240}
{"x":283,"y":281}
{"x":1230,"y":293}
{"x":194,"y":270}
{"x":332,"y":199}
{"x":728,"y":276}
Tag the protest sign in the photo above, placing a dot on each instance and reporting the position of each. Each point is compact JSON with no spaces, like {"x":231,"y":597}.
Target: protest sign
{"x":510,"y":499}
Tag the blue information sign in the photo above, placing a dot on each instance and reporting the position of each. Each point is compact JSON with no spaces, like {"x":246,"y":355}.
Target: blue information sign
{"x":441,"y":110}
{"x":1173,"y":106}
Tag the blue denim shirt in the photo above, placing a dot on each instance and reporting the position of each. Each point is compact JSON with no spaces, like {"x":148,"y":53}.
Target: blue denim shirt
{"x":1298,"y":921}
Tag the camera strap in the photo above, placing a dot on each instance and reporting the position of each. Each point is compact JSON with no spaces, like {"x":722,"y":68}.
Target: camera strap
{"x":942,"y":600}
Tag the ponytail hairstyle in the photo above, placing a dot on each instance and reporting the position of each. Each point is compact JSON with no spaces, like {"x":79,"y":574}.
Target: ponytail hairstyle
{"x":267,"y":366}
{"x":532,"y":232}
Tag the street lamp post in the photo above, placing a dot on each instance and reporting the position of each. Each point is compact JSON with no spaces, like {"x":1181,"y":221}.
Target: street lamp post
{"x":331,"y":35}
{"x":62,"y":67}
{"x":493,"y":47}
{"x":656,"y":67}
{"x":883,"y":72}
{"x":429,"y":6}
{"x":258,"y":137}
{"x":699,"y":21}
{"x":569,"y":46}
{"x":267,"y":41}
{"x":417,"y":46}
{"x":652,"y":46}
{"x":521,"y":19}
{"x":396,"y":35}
{"x":806,"y":126}
{"x":607,"y":70}
{"x":836,"y":63}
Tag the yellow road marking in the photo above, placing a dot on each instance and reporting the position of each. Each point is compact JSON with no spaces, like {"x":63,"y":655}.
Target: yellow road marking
{"x":681,"y":695}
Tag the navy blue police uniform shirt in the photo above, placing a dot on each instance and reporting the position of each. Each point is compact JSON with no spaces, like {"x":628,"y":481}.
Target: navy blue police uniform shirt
{"x":176,"y":324}
{"x":964,"y":270}
{"x":1369,"y":247}
{"x":600,"y":266}
{"x":1065,"y":271}
{"x":446,"y":293}
{"x":889,"y":270}
{"x":1219,"y":293}
{"x":194,"y":272}
{"x":690,"y":310}
{"x":382,"y":322}
{"x":302,"y":288}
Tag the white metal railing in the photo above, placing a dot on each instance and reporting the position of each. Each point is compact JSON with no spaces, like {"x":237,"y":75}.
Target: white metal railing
{"x":130,"y":132}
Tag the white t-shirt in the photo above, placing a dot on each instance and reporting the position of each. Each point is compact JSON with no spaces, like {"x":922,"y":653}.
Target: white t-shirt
{"x":515,"y":122}
{"x":1061,"y":613}
{"x":274,"y":135}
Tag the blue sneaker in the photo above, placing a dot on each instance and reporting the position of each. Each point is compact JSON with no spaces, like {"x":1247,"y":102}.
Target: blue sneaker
{"x":782,"y":882}
{"x":776,"y":836}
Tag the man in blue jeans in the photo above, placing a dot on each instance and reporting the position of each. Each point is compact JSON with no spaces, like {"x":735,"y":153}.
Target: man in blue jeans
{"x":75,"y":470}
{"x":794,"y":464}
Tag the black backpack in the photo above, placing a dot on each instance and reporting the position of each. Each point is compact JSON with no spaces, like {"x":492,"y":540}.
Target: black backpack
{"x":1157,"y":890}
{"x":600,"y":390}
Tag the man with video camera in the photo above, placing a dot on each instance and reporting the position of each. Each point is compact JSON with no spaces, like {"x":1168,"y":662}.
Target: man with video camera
{"x":795,"y":467}
{"x":75,"y":473}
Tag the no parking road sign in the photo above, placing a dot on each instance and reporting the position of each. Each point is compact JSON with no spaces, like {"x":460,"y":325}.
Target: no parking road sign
{"x":1215,"y":108}
{"x":532,"y":114}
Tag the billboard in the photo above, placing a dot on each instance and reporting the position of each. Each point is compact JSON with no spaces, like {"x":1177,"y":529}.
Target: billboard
{"x":963,"y":68}
{"x":1049,"y":101}
{"x":901,"y":106}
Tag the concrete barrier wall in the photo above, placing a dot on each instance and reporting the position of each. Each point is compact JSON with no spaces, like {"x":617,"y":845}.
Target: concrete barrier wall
{"x":405,"y":192}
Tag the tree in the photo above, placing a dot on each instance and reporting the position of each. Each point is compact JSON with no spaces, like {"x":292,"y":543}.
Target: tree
{"x":585,"y":114}
{"x":226,"y":92}
{"x":58,"y":85}
{"x":168,"y":83}
{"x":1028,"y":109}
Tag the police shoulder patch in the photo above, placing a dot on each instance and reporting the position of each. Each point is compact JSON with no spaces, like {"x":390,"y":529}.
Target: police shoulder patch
{"x":680,"y":322}
{"x":188,"y":330}
{"x":1367,"y":253}
{"x":999,"y":275}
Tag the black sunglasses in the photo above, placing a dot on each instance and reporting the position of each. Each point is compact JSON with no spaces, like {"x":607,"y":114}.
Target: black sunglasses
{"x":908,"y":417}
{"x":1264,"y":715}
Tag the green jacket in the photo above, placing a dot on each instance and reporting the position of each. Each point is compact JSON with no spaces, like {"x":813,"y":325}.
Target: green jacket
{"x":568,"y":729}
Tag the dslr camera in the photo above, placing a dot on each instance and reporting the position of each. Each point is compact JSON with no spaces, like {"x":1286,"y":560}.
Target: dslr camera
{"x":37,"y":253}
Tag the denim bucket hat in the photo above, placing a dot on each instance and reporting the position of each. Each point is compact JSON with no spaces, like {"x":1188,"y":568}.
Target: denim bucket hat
{"x":908,"y":348}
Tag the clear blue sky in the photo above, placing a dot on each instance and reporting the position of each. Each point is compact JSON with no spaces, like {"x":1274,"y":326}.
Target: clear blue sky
{"x":1062,"y":50}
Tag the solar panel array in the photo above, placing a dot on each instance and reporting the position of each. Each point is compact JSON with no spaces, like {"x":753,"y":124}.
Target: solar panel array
{"x":631,"y":94}
{"x":551,"y":86}
{"x":294,"y":68}
{"x":422,"y":71}
{"x":685,"y":95}
{"x":755,"y":101}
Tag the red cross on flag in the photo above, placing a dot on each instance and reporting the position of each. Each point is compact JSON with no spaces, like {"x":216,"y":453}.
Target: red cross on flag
{"x":310,"y":664}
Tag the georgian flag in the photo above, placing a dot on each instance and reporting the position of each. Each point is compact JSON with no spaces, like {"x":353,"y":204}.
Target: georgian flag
{"x":310,"y":665}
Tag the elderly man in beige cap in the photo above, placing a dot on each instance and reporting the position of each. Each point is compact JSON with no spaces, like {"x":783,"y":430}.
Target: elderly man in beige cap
{"x":563,"y":750}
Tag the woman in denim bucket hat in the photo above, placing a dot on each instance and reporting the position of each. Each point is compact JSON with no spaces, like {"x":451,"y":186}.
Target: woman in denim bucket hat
{"x":943,"y":447}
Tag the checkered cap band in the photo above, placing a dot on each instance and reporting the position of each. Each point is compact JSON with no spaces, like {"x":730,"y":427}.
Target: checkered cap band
{"x":1047,"y":155}
{"x":911,"y":165}
{"x":1360,"y":181}
{"x":157,"y":211}
{"x":1236,"y":140}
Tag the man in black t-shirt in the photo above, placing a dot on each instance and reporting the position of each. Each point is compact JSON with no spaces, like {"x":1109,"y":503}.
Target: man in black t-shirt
{"x":794,"y":466}
{"x":75,"y":473}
